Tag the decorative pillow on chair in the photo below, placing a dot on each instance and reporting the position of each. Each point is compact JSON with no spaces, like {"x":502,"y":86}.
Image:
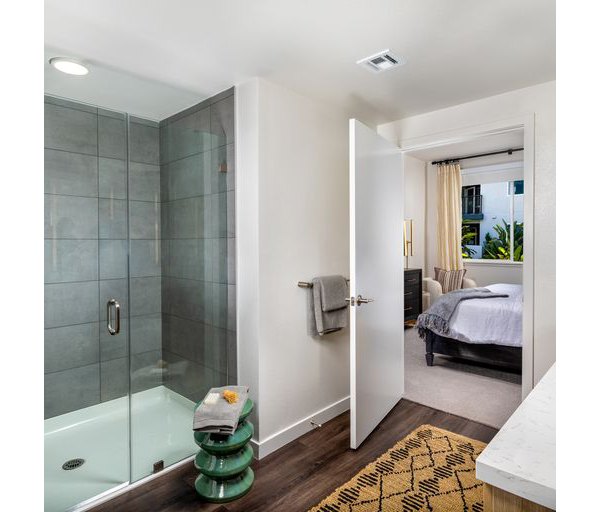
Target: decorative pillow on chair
{"x":450,"y":279}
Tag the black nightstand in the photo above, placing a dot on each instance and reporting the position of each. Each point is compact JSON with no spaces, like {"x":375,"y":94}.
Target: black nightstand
{"x":413,"y":291}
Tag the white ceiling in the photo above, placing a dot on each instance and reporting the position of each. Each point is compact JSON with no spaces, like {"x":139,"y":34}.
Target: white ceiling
{"x":116,"y":90}
{"x":456,"y":50}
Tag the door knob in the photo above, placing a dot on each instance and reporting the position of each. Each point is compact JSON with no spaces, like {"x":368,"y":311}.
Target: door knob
{"x":358,"y":301}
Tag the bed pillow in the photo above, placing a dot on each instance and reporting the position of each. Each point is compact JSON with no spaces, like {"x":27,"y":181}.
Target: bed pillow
{"x":450,"y":279}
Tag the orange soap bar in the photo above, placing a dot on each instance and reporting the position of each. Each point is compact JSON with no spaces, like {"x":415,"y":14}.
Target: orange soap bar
{"x":230,"y":396}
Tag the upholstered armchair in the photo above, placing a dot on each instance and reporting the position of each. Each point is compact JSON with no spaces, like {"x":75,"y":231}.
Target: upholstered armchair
{"x":434,"y":289}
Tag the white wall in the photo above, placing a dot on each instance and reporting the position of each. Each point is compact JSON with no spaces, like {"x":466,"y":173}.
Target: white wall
{"x":415,"y":185}
{"x":540,"y":101}
{"x":247,"y":248}
{"x":293,"y":206}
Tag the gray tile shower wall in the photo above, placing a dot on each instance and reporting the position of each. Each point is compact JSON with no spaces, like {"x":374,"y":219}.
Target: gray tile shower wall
{"x":142,"y":212}
{"x":145,"y":255}
{"x":86,"y":238}
{"x":197,"y":176}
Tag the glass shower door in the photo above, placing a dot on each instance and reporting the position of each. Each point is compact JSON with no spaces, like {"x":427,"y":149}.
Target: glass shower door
{"x":161,"y":415}
{"x":182,"y":275}
{"x":151,"y":425}
{"x":86,"y":338}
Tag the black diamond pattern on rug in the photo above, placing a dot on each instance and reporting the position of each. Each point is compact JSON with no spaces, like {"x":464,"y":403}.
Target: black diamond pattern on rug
{"x":430,"y":470}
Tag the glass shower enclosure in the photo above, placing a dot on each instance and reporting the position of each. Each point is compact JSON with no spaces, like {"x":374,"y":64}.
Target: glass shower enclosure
{"x":139,"y":289}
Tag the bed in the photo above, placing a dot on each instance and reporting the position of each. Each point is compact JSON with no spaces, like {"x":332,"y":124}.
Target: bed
{"x":486,"y":331}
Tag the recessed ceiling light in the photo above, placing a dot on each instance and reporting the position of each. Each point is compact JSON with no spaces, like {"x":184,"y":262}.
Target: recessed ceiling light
{"x":69,"y":66}
{"x":381,"y":61}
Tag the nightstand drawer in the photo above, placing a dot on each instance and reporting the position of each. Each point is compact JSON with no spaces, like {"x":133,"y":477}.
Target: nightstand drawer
{"x":411,"y":310}
{"x":412,"y":304}
{"x":412,"y":293}
{"x":411,"y":280}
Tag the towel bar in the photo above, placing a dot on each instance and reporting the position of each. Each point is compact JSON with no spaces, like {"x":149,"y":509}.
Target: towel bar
{"x":306,"y":284}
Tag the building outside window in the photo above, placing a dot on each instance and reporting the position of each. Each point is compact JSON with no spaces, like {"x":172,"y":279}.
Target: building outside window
{"x":471,"y":202}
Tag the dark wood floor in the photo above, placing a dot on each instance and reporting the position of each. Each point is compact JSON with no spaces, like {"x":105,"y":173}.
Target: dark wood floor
{"x":301,"y":473}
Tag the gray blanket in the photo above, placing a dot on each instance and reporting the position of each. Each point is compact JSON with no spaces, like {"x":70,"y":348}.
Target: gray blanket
{"x":217,"y":415}
{"x":437,"y":317}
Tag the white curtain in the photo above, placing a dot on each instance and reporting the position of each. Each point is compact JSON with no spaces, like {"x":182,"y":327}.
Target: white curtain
{"x":449,"y":217}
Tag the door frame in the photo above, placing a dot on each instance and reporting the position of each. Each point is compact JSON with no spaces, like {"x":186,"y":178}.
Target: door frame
{"x":527,"y":124}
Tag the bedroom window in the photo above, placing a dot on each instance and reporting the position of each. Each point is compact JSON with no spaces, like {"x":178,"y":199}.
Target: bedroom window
{"x":498,"y":208}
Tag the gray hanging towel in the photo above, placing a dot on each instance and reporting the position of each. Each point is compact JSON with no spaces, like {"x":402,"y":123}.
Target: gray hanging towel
{"x":311,"y":322}
{"x":334,"y":290}
{"x":217,"y":415}
{"x":327,"y":307}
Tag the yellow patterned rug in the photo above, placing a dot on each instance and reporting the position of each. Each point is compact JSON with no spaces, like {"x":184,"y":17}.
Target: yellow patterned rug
{"x":430,"y":470}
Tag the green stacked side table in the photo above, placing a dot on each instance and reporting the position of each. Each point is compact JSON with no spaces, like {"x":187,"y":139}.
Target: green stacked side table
{"x":224,"y":461}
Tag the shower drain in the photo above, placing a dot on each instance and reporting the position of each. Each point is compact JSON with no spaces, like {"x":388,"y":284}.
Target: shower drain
{"x":73,"y":464}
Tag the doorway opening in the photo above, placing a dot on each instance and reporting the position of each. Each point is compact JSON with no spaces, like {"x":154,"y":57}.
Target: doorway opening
{"x":474,"y":370}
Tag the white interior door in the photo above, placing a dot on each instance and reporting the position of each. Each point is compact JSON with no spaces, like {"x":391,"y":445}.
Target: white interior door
{"x":376,"y":272}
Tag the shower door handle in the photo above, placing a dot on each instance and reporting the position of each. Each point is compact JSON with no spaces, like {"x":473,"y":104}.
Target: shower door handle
{"x":111,"y":305}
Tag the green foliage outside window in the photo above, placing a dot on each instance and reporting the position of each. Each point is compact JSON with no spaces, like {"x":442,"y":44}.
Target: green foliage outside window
{"x":497,"y":247}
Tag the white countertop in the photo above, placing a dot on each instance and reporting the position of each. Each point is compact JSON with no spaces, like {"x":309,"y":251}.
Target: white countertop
{"x":521,"y":458}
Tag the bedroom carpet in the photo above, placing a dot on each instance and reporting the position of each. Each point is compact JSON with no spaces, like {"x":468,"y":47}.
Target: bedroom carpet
{"x":482,"y":394}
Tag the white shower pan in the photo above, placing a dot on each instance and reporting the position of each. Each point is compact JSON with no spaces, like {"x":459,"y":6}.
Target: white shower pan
{"x":161,"y":429}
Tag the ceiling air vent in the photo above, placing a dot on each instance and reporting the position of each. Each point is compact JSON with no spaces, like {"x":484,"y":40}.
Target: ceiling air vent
{"x":381,"y":61}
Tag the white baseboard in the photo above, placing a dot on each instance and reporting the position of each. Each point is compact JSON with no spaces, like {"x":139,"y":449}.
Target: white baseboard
{"x":294,"y":431}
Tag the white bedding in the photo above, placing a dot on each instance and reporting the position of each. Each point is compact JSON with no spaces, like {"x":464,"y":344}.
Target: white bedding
{"x":497,"y":321}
